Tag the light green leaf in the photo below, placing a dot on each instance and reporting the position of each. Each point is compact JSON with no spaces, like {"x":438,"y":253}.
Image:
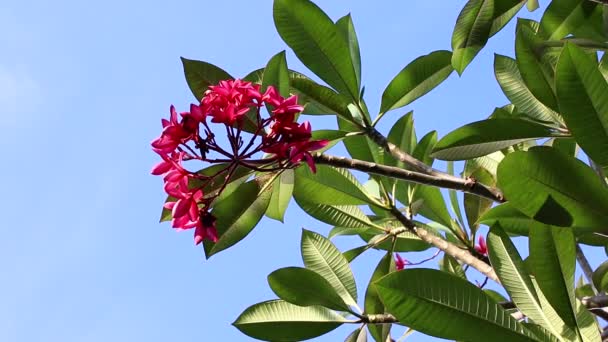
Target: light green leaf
{"x":282,"y":188}
{"x":579,"y":200}
{"x":321,"y":256}
{"x":484,"y":137}
{"x":277,"y":320}
{"x":403,"y":135}
{"x":416,"y":79}
{"x":600,"y":277}
{"x":276,"y":74}
{"x":359,"y":335}
{"x":238,"y":214}
{"x":512,"y":84}
{"x":346,"y":216}
{"x":322,"y":97}
{"x":347,"y":29}
{"x":472,"y":30}
{"x":504,"y":11}
{"x":433,"y":207}
{"x":513,"y":275}
{"x":328,"y":185}
{"x":532,"y":5}
{"x":373,"y":304}
{"x":536,"y":75}
{"x":451,"y":265}
{"x":419,"y":298}
{"x":475,"y":206}
{"x":303,"y":287}
{"x":454,"y":196}
{"x":317,"y":42}
{"x":424,"y":147}
{"x":583,"y":103}
{"x":200,"y":75}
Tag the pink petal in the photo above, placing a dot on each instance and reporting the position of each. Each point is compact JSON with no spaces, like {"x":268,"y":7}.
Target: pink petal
{"x":161,"y":168}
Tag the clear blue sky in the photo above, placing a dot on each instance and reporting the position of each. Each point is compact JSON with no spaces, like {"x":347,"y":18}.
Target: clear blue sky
{"x":83,"y":86}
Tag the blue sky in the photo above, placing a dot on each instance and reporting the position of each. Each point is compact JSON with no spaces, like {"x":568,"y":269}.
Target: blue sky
{"x":83,"y":86}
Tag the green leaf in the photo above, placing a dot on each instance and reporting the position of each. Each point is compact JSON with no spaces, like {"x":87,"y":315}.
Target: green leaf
{"x":328,"y":185}
{"x":321,"y":256}
{"x":532,"y":5}
{"x":405,"y":242}
{"x":504,"y":11}
{"x":536,"y":75}
{"x":276,"y":74}
{"x":282,"y":188}
{"x":433,"y":207}
{"x":346,"y":216}
{"x":403,"y":135}
{"x":475,"y":206}
{"x":416,"y":79}
{"x":512,"y":273}
{"x":238,"y":214}
{"x":347,"y":29}
{"x":565,"y":16}
{"x":277,"y":320}
{"x":373,"y":304}
{"x":512,"y":84}
{"x":553,"y":260}
{"x":514,"y":222}
{"x":583,"y":103}
{"x":451,"y":265}
{"x":600,"y":277}
{"x":323,"y":96}
{"x":472,"y":30}
{"x":454,"y":196}
{"x":579,"y":199}
{"x":360,"y":147}
{"x":484,"y":137}
{"x":317,"y":42}
{"x":359,"y":335}
{"x":419,"y":298}
{"x":351,"y":254}
{"x":303,"y":287}
{"x":200,"y":75}
{"x":424,"y":147}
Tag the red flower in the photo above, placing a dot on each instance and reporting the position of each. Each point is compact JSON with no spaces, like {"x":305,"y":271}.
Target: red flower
{"x":482,"y":248}
{"x":205,"y":229}
{"x":230,"y":100}
{"x":400,"y":263}
{"x":174,"y":133}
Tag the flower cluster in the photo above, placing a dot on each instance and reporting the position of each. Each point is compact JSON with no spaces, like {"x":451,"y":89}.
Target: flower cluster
{"x":400,"y":263}
{"x":236,"y":105}
{"x":481,"y":247}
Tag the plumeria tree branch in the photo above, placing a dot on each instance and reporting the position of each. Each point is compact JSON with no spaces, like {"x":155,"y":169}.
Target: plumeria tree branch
{"x":439,"y":179}
{"x":447,"y":247}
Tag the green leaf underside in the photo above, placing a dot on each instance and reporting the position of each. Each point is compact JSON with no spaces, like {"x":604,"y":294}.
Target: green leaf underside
{"x":420,"y":298}
{"x":277,"y":320}
{"x":321,"y":256}
{"x":484,"y":137}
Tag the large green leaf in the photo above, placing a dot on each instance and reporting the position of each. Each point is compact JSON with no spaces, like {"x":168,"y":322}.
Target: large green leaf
{"x":416,"y":79}
{"x":536,"y":75}
{"x":317,"y":42}
{"x":424,"y":148}
{"x":360,"y":146}
{"x":514,"y":222}
{"x":553,"y":261}
{"x":512,"y":84}
{"x":347,"y":29}
{"x":565,"y":16}
{"x":578,"y":199}
{"x":420,"y":298}
{"x":321,"y":256}
{"x":433,"y":204}
{"x":583,"y":103}
{"x":513,"y":275}
{"x":472,"y":30}
{"x":238,"y":214}
{"x":328,"y":185}
{"x":303,"y":287}
{"x":276,"y":74}
{"x":200,"y":75}
{"x":282,"y":188}
{"x":373,"y":304}
{"x":484,"y":137}
{"x":277,"y":320}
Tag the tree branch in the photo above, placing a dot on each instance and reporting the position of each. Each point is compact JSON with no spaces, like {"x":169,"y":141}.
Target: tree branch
{"x":447,"y":247}
{"x":439,"y":179}
{"x":446,"y":180}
